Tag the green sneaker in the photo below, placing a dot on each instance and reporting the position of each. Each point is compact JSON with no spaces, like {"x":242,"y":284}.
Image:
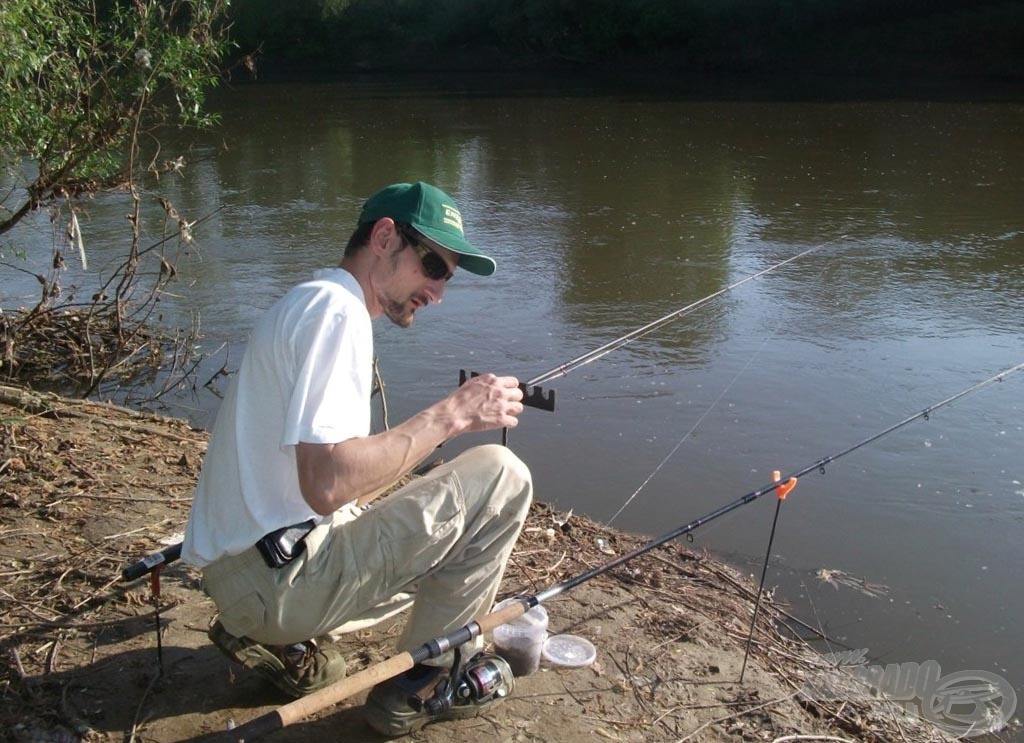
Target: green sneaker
{"x":426,"y":694}
{"x":296,"y":670}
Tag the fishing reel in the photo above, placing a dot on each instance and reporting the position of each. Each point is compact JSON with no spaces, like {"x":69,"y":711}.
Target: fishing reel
{"x":485,"y":678}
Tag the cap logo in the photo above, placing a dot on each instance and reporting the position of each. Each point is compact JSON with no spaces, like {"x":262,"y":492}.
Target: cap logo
{"x":452,"y":217}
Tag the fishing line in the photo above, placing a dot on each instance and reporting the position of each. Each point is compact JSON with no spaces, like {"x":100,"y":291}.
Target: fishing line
{"x":693,"y":428}
{"x":773,"y":487}
{"x":707,"y":412}
{"x":438,"y":646}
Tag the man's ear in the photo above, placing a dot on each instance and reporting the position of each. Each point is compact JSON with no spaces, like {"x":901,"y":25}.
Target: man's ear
{"x":382,"y":235}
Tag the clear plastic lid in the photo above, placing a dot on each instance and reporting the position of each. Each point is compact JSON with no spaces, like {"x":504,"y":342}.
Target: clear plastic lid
{"x":569,"y":650}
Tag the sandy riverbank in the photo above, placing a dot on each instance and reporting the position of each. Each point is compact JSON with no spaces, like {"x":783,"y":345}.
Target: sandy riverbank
{"x":86,"y":488}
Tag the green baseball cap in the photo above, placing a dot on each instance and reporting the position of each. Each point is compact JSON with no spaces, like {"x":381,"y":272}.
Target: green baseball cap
{"x":434,"y":214}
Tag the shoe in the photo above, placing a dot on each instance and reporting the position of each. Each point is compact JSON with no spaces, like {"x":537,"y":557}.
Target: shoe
{"x":426,"y":694}
{"x":296,"y":670}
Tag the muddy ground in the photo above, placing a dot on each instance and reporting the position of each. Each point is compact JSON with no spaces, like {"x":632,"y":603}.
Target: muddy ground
{"x":86,"y":488}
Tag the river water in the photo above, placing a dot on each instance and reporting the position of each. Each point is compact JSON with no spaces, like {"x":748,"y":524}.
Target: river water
{"x":608,"y":210}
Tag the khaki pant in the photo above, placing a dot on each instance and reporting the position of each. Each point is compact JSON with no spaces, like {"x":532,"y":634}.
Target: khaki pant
{"x":439,"y":544}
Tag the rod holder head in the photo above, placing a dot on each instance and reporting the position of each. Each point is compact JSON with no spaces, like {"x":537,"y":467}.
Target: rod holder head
{"x":533,"y":397}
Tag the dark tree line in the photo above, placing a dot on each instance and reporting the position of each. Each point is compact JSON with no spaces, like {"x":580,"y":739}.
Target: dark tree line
{"x":872,"y":37}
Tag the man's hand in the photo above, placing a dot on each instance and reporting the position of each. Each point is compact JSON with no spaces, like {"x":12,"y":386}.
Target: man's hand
{"x":486,"y":402}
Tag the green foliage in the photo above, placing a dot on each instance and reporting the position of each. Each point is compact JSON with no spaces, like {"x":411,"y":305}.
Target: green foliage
{"x":79,"y":81}
{"x":83,"y":83}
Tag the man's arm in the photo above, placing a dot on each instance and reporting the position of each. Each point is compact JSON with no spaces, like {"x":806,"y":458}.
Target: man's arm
{"x":331,"y":475}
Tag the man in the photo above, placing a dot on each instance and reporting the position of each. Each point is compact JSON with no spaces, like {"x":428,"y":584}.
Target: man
{"x":291,"y":448}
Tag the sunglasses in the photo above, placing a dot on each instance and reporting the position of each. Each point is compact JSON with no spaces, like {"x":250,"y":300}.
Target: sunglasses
{"x":434,"y":266}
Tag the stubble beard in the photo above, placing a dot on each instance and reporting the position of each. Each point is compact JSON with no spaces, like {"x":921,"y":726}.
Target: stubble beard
{"x":399,"y":313}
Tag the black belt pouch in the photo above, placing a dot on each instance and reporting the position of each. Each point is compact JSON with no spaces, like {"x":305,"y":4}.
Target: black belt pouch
{"x":280,"y":547}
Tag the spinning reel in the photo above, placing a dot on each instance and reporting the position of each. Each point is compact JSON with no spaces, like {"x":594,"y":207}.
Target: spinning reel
{"x":483,"y":679}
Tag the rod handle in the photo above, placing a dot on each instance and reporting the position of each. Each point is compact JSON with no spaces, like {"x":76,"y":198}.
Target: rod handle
{"x":300,"y":709}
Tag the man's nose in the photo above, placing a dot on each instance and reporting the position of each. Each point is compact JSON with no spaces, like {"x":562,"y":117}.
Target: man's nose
{"x":435,"y":290}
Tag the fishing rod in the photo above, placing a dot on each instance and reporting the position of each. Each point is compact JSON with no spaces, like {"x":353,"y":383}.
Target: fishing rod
{"x":536,"y":397}
{"x":293,"y":712}
{"x":563,"y":369}
{"x":533,"y":396}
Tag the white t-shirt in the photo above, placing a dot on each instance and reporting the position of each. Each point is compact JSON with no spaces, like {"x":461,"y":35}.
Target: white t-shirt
{"x":306,"y":376}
